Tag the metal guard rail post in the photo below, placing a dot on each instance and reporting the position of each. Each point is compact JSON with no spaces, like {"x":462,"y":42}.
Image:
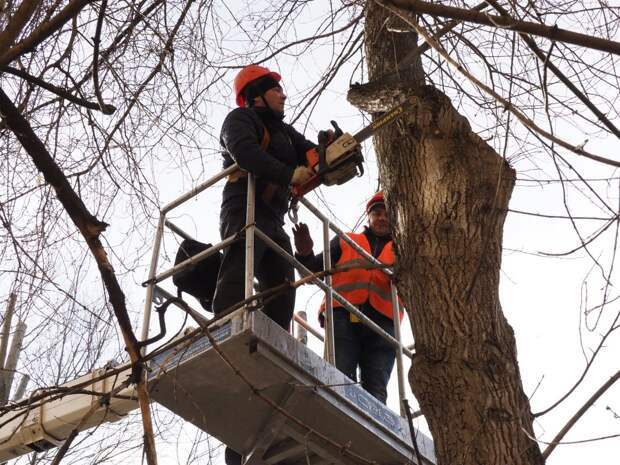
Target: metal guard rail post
{"x":330,"y":348}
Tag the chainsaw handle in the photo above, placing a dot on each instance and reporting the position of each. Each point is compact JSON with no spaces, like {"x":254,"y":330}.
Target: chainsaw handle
{"x":337,"y":131}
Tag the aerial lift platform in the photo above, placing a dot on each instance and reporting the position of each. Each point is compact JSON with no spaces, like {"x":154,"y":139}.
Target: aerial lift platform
{"x":329,"y":419}
{"x":243,"y":380}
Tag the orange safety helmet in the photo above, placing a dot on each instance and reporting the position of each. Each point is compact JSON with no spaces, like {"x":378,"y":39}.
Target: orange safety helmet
{"x":248,"y":74}
{"x":375,"y":200}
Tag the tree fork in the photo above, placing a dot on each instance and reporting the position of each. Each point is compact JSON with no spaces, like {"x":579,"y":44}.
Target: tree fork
{"x":447,"y":193}
{"x":90,"y":228}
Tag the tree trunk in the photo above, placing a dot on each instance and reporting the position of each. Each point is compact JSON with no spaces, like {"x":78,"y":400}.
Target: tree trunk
{"x":447,"y":193}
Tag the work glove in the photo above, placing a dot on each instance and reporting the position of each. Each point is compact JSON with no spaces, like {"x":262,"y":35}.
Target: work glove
{"x":326,"y":137}
{"x":301,"y":175}
{"x":330,"y":135}
{"x":303,"y":241}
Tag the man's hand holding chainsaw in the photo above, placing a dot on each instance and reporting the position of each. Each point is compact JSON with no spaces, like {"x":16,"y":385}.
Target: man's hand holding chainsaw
{"x":335,"y":160}
{"x":301,"y":175}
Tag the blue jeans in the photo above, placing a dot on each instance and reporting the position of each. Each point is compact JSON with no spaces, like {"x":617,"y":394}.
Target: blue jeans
{"x":356,"y":345}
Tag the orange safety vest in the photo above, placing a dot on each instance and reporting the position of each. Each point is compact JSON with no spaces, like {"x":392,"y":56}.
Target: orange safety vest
{"x":359,"y":285}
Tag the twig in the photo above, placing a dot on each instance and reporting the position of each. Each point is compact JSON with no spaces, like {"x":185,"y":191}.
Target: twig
{"x":412,"y":431}
{"x":558,"y":437}
{"x":97,"y":40}
{"x":106,"y":109}
{"x":307,"y":39}
{"x":599,"y":347}
{"x":562,"y":217}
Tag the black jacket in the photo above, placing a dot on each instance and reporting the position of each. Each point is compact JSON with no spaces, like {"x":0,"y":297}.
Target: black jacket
{"x":241,"y":136}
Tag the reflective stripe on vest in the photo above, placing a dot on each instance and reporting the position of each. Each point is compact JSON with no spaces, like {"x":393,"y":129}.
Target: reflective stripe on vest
{"x":359,"y":285}
{"x":370,"y":287}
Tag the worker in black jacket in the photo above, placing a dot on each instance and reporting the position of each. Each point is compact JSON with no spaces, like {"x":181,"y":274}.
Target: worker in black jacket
{"x":255,"y":137}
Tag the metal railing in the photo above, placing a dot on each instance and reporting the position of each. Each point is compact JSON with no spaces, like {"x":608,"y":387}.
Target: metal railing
{"x":251,"y":231}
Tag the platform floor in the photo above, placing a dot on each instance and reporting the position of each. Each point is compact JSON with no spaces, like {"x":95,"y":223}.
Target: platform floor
{"x":195,"y":383}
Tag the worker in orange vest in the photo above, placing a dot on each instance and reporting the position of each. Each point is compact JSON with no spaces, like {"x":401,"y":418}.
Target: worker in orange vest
{"x":368,"y":289}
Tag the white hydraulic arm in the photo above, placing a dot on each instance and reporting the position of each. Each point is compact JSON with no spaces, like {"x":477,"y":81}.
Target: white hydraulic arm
{"x":47,"y":419}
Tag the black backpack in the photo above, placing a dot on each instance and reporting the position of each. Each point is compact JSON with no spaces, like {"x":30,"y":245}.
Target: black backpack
{"x":198,"y":280}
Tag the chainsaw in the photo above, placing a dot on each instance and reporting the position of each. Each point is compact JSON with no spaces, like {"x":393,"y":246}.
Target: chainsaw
{"x":338,"y":157}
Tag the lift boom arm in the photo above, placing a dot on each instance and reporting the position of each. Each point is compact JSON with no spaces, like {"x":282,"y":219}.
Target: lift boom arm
{"x":46,"y":423}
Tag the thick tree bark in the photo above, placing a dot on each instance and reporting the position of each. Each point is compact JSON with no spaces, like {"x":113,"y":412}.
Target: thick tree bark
{"x":447,"y":193}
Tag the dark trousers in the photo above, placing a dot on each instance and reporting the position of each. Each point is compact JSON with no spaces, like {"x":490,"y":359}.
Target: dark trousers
{"x":356,"y":345}
{"x":270,"y":269}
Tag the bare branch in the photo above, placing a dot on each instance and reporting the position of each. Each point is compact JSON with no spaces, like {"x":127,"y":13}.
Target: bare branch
{"x":584,"y":408}
{"x":97,"y":40}
{"x":44,"y":30}
{"x":106,"y":109}
{"x":16,"y":23}
{"x":550,"y":32}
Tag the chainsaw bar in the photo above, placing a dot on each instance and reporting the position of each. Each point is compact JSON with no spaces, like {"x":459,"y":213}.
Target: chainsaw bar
{"x":385,"y":119}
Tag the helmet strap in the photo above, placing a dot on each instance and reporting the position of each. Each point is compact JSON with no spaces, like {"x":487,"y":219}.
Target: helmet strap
{"x":262,"y":97}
